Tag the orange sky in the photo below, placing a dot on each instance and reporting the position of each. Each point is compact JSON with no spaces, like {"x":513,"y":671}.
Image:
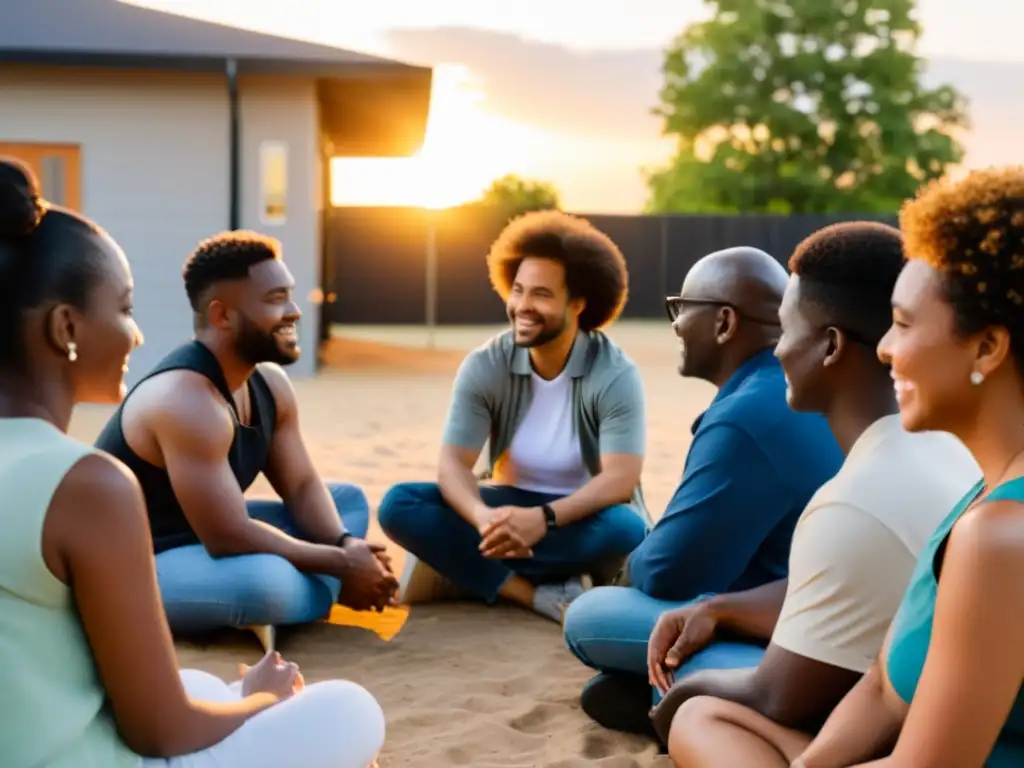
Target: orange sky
{"x":467,"y":146}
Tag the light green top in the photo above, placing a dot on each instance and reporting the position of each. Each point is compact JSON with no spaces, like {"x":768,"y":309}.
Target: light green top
{"x":52,"y":712}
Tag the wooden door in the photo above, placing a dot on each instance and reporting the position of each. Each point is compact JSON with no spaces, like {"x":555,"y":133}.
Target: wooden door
{"x":57,"y":166}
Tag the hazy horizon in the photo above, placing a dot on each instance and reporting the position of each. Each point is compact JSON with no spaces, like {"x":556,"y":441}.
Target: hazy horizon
{"x":562,"y":92}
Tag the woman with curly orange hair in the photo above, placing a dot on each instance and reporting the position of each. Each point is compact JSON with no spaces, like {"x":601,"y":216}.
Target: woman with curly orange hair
{"x":947,"y":687}
{"x":946,"y":690}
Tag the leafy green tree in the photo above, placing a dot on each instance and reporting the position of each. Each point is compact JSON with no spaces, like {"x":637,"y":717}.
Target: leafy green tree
{"x":514,"y":196}
{"x":802,"y":106}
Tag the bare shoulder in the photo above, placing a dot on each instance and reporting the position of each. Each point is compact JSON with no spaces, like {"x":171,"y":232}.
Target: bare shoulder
{"x":989,"y":540}
{"x":175,"y":392}
{"x":280,"y":386}
{"x":178,"y":404}
{"x":100,"y":495}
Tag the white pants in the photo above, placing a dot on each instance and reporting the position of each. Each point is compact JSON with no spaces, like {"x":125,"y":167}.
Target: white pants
{"x":334,"y":724}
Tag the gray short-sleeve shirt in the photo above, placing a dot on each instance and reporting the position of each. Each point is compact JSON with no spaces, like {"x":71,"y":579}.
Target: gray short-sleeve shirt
{"x":492,"y":393}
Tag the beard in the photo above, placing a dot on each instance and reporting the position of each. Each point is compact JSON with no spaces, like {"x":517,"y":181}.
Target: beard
{"x":546,"y":330}
{"x":255,"y":346}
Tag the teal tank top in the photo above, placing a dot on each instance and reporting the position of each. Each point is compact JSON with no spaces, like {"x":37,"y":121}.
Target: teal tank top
{"x":53,"y":711}
{"x":912,"y":628}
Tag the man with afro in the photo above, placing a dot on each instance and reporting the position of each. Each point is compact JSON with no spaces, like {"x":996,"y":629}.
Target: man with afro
{"x":563,"y":410}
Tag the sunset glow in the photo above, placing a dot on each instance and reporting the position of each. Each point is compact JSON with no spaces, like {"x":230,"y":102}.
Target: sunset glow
{"x":464,"y":150}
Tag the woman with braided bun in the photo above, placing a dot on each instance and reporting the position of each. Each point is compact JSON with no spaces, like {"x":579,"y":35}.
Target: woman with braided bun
{"x":89,"y":677}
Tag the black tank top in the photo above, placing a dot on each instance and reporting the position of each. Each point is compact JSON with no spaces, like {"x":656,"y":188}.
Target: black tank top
{"x":247,"y":457}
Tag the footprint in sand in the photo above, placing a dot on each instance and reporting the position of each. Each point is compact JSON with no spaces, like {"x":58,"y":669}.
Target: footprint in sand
{"x":536,"y":720}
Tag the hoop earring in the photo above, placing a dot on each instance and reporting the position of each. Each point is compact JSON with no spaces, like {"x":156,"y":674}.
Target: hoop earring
{"x":72,"y":351}
{"x":977,"y":377}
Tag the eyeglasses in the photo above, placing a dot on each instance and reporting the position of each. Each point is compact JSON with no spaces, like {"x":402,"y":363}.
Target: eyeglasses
{"x":674,"y":306}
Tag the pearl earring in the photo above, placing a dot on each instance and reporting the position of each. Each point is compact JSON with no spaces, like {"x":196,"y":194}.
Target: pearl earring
{"x":72,"y":351}
{"x":977,"y":377}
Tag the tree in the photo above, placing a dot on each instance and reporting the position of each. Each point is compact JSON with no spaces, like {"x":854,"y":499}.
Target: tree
{"x":801,"y":106}
{"x":515,"y":196}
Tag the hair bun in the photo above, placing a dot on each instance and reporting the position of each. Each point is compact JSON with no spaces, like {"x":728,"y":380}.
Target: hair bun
{"x":21,"y":206}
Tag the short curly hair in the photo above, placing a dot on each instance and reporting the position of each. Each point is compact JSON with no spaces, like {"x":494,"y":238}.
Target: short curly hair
{"x":849,"y":270}
{"x":972,"y":230}
{"x":595,"y":269}
{"x":223,"y":257}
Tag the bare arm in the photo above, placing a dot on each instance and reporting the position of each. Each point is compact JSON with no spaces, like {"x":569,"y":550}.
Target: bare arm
{"x":975,"y":665}
{"x":459,"y":485}
{"x":614,"y":484}
{"x":194,"y":434}
{"x":752,"y":613}
{"x":788,"y":689}
{"x":290,"y":470}
{"x":466,"y":431}
{"x":863,"y":726}
{"x":682,"y":632}
{"x":96,"y":539}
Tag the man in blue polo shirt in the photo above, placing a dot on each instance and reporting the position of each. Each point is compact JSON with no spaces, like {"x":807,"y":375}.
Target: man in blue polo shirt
{"x":752,"y":467}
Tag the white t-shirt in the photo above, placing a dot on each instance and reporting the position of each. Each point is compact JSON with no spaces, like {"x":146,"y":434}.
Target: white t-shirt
{"x":545,"y":453}
{"x":859,"y":538}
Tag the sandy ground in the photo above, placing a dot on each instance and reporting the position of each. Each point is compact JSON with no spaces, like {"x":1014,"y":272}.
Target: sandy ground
{"x":460,"y":684}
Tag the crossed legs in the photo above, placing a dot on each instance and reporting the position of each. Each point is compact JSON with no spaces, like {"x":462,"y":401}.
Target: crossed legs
{"x":201,"y":593}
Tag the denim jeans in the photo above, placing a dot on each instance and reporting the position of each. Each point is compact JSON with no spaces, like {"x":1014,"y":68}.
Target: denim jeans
{"x":608,"y":628}
{"x":416,"y":517}
{"x":202,"y":593}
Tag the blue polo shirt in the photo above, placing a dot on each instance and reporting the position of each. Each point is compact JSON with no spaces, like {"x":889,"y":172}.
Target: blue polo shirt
{"x":752,"y":467}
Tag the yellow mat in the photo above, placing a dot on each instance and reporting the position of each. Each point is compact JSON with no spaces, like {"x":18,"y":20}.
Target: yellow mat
{"x":386,"y":624}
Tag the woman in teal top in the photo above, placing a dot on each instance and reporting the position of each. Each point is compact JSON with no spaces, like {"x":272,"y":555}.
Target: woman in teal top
{"x":947,"y":689}
{"x":88,"y":675}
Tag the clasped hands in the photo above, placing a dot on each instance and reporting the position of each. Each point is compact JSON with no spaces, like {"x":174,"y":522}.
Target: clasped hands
{"x":510,"y":532}
{"x":368,"y":581}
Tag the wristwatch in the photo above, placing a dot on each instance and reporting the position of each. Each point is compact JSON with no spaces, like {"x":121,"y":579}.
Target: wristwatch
{"x":549,"y":516}
{"x":343,"y":538}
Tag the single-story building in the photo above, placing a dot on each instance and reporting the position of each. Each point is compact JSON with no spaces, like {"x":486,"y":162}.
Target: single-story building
{"x":166,"y":130}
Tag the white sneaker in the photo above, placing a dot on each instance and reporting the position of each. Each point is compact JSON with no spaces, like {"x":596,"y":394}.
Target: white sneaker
{"x":422,"y":584}
{"x":552,"y":600}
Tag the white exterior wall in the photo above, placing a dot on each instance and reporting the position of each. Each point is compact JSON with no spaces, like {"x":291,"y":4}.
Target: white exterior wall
{"x":155,"y":174}
{"x":286,"y":110}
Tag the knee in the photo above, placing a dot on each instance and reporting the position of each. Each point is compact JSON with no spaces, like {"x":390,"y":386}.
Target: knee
{"x":352,"y":506}
{"x":354,"y":718}
{"x":348,"y":496}
{"x":405,"y":507}
{"x":626,"y":529}
{"x":692,"y":721}
{"x":270,"y":584}
{"x":583,"y":620}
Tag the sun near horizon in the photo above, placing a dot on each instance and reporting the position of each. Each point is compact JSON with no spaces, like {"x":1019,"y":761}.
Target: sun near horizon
{"x":465,"y":148}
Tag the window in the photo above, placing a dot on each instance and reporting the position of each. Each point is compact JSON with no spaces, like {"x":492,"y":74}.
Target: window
{"x":273,"y":183}
{"x":56,"y":166}
{"x":53,"y":178}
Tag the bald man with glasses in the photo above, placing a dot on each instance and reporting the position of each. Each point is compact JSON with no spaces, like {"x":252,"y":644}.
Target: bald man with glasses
{"x":752,"y":466}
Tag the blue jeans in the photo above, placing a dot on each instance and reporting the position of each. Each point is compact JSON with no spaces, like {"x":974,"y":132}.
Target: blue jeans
{"x":608,"y":628}
{"x":203,"y":593}
{"x":416,"y":517}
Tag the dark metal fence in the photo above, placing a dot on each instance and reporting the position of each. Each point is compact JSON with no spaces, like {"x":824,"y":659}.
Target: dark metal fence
{"x":376,"y":269}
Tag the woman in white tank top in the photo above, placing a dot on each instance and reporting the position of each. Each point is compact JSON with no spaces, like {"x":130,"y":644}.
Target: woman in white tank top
{"x":89,"y":673}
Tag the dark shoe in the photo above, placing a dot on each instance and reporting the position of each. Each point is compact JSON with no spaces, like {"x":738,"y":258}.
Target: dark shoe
{"x":620,"y":702}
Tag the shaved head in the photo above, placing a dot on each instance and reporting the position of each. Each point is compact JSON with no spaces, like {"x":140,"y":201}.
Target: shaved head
{"x":727,"y":311}
{"x":747,"y":278}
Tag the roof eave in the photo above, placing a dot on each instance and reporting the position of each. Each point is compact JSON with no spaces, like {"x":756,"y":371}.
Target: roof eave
{"x":195,"y":63}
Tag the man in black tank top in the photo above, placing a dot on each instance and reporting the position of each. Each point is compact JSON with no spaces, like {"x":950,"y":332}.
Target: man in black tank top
{"x":199,"y":429}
